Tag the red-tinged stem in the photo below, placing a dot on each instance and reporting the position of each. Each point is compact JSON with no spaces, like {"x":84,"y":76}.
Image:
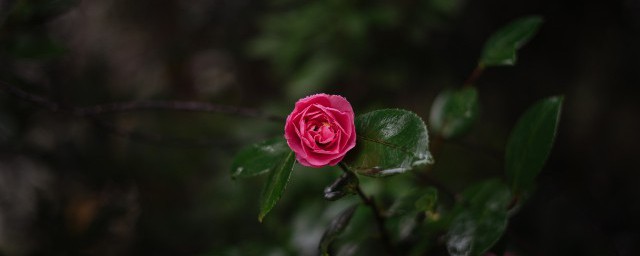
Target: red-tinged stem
{"x":475,"y":74}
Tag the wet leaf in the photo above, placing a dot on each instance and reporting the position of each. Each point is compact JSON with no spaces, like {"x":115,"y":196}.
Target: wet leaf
{"x":259,"y":158}
{"x":276,"y":184}
{"x":390,"y":141}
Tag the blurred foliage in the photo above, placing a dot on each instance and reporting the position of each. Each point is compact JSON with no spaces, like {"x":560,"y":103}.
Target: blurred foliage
{"x":158,"y":182}
{"x":454,"y":112}
{"x":316,"y":42}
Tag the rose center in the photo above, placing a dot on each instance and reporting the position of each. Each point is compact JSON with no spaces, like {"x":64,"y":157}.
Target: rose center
{"x":322,"y":132}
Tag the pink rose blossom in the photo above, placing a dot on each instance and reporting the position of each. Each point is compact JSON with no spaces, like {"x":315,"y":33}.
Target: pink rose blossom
{"x":321,"y":130}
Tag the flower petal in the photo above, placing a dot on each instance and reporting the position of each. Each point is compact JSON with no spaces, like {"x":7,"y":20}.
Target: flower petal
{"x":340,"y":103}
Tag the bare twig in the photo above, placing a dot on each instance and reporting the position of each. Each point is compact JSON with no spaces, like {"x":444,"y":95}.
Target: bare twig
{"x":174,"y":105}
{"x":29,"y":97}
{"x":159,"y":139}
{"x":120,"y":107}
{"x":92,"y":113}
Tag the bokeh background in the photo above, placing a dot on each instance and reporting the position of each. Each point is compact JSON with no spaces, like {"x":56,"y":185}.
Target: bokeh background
{"x":158,"y":182}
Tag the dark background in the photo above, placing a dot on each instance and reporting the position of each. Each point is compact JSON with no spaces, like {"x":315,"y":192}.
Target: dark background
{"x":157,"y":182}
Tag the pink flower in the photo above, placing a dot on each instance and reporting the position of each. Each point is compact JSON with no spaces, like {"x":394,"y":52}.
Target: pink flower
{"x":320,"y":130}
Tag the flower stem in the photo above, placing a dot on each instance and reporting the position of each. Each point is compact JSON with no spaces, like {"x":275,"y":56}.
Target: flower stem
{"x":380,"y":220}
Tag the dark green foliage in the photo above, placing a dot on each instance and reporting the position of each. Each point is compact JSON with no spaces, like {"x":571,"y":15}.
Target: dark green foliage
{"x":173,"y":196}
{"x":418,"y":200}
{"x":480,"y":218}
{"x":502,"y":46}
{"x":454,"y":111}
{"x":346,"y":184}
{"x":335,"y":228}
{"x":276,"y":184}
{"x":531,"y":141}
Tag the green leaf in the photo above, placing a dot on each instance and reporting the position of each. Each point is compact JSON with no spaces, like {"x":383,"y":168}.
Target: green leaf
{"x":346,"y":184}
{"x":531,"y":141}
{"x":415,"y":201}
{"x":390,"y":141}
{"x":409,"y":211}
{"x":491,"y":195}
{"x":480,"y":219}
{"x":336,"y":227}
{"x":276,"y":184}
{"x":428,"y":200}
{"x":454,"y":111}
{"x":501,"y":47}
{"x":357,"y":238}
{"x":259,"y":158}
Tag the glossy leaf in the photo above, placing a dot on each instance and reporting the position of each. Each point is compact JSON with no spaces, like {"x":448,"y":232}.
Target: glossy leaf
{"x":454,"y":111}
{"x":336,"y":227}
{"x":480,"y":219}
{"x":346,"y":184}
{"x":390,"y":141}
{"x":531,"y":141}
{"x":276,"y":184}
{"x":502,"y":46}
{"x":259,"y":158}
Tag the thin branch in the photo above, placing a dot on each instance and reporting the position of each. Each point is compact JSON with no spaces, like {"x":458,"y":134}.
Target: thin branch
{"x":120,"y":107}
{"x":369,"y":201}
{"x":93,"y":112}
{"x":29,"y":97}
{"x":475,"y":74}
{"x":194,"y":106}
{"x":159,"y":139}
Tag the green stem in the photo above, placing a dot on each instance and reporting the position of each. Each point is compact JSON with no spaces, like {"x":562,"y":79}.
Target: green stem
{"x":380,"y":220}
